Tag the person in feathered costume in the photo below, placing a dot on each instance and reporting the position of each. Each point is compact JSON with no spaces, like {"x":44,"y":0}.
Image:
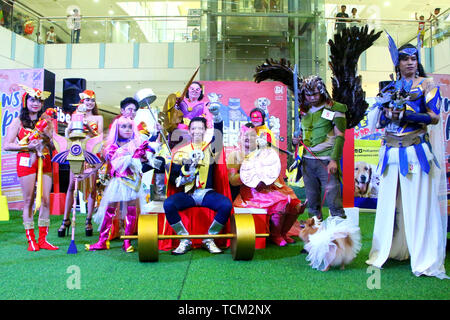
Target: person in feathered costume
{"x":411,"y":221}
{"x":324,"y":118}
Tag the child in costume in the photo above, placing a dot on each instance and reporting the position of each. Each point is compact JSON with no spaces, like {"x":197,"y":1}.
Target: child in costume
{"x":125,"y":153}
{"x":93,"y":127}
{"x":278,"y":199}
{"x":30,"y":137}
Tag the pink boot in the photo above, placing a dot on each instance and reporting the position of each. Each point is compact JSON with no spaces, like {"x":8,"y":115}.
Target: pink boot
{"x":130,"y":226}
{"x":103,"y":242}
{"x":293,"y":210}
{"x":275,"y":229}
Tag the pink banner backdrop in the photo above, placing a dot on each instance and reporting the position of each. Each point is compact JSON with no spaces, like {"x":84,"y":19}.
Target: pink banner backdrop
{"x":237,"y":98}
{"x":10,"y":98}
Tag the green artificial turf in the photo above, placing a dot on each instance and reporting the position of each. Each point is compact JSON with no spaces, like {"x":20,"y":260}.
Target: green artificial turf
{"x":274,"y":273}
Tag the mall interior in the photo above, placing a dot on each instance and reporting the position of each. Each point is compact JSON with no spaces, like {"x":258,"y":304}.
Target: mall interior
{"x":124,"y":46}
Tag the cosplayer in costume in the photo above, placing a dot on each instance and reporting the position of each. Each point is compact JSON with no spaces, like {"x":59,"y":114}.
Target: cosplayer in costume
{"x":29,"y":135}
{"x":324,"y":119}
{"x":125,"y":153}
{"x":180,"y":109}
{"x":93,"y":127}
{"x":195,"y":173}
{"x":322,"y":131}
{"x":193,"y":106}
{"x":257,"y":117}
{"x":410,"y":222}
{"x":277,"y":198}
{"x":150,"y":129}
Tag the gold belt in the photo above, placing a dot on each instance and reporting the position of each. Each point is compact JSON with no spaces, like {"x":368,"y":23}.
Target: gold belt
{"x":405,"y":141}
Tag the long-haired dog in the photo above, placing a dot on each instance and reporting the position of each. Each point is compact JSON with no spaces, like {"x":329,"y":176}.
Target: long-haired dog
{"x":334,"y":242}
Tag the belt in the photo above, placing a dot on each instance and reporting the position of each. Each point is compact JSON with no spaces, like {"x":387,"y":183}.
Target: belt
{"x":406,"y":141}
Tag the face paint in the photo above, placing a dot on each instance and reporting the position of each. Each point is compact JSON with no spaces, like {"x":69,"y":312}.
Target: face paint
{"x":257,"y":118}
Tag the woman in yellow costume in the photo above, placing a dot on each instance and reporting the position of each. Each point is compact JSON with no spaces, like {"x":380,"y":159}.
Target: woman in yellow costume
{"x":93,"y":127}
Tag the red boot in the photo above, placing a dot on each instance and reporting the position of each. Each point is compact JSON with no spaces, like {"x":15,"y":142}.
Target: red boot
{"x":32,"y":244}
{"x":276,"y":222}
{"x":103,"y":242}
{"x":43,"y":244}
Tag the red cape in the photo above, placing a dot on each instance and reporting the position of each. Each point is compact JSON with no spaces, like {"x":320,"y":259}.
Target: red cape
{"x":198,"y":219}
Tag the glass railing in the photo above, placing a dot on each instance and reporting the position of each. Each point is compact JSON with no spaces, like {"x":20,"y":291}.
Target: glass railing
{"x":234,"y":36}
{"x":124,"y":29}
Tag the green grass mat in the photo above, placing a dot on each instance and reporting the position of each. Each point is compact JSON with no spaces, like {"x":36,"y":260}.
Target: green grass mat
{"x":274,"y":273}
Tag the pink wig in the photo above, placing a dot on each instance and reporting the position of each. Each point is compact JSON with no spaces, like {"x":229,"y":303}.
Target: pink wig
{"x":113,"y":135}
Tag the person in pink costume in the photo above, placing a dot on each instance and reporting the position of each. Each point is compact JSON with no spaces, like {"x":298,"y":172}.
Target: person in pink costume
{"x":125,"y":153}
{"x":278,"y":199}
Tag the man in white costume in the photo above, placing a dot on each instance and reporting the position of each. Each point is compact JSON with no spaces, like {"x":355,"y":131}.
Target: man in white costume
{"x":410,"y":220}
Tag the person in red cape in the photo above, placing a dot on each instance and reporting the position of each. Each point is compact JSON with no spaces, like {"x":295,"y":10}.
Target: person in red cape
{"x":198,"y":178}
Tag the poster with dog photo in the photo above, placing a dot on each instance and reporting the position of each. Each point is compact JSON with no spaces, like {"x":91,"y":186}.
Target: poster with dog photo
{"x":367,"y":180}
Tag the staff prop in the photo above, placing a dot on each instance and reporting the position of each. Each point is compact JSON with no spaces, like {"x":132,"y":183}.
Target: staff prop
{"x":76,"y":149}
{"x":146,"y":97}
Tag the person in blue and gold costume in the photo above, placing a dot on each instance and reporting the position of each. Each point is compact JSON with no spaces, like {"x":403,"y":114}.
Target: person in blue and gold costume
{"x":198,"y":178}
{"x":409,"y":223}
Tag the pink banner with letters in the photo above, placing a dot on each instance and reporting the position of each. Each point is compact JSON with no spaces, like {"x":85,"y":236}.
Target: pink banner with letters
{"x":10,"y":103}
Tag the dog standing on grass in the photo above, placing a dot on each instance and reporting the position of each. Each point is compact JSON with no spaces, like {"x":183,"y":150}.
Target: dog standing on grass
{"x":334,"y":242}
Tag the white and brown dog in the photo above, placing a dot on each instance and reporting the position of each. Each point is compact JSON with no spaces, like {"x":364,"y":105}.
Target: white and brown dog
{"x":334,"y":242}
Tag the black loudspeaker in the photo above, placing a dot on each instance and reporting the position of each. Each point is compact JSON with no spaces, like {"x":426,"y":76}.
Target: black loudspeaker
{"x":49,"y":85}
{"x":72,"y":87}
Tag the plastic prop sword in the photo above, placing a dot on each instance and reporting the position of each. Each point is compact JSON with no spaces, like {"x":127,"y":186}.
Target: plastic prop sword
{"x":297,"y":123}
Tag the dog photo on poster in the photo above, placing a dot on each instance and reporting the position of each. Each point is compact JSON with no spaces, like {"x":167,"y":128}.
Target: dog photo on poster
{"x":367,"y":180}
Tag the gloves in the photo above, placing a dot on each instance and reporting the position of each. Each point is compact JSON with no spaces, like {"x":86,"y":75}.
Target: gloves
{"x":414,"y":117}
{"x":140,"y":151}
{"x":153,"y":161}
{"x":182,"y":180}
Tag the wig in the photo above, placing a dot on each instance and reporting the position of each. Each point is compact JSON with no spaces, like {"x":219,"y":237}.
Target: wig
{"x":113,"y":136}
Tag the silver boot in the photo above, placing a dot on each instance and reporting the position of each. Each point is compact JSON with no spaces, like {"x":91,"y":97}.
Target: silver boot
{"x":185,"y":244}
{"x":209,"y":244}
{"x":183,"y":247}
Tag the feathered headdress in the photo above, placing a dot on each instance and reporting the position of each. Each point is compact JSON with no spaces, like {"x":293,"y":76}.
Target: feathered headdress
{"x":407,"y":51}
{"x":33,"y":92}
{"x":345,"y":51}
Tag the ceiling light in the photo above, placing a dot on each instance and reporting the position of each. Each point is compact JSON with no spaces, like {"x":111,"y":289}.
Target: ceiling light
{"x":128,"y":87}
{"x":95,"y":32}
{"x":111,"y":12}
{"x":387,"y":3}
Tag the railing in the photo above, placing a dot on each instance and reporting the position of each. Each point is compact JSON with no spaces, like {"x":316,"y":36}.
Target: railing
{"x":125,"y":29}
